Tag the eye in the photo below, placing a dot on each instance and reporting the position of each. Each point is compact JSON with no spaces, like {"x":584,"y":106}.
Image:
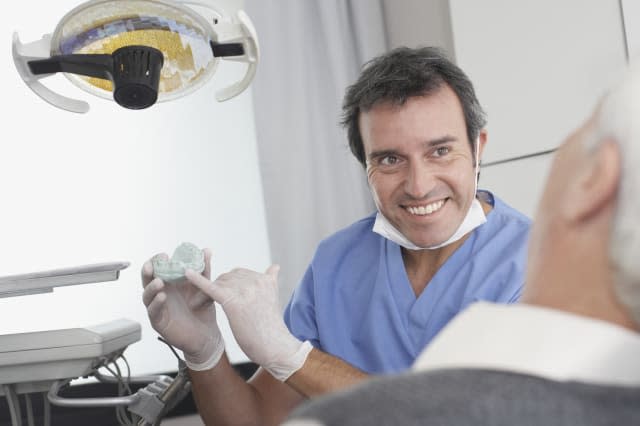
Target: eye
{"x":389,"y":160}
{"x":441,"y":151}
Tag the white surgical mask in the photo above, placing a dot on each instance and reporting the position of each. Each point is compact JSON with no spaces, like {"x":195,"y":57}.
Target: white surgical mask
{"x":475,"y":217}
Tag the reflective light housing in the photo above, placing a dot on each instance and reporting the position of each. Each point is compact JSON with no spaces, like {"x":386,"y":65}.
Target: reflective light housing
{"x":112,"y":48}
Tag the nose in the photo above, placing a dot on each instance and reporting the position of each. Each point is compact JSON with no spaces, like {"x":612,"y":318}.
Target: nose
{"x":419,"y":180}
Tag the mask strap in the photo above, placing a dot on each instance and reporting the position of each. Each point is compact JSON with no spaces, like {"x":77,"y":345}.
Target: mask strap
{"x":477,"y":166}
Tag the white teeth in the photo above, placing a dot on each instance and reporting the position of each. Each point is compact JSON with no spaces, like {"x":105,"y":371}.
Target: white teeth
{"x":425,"y":210}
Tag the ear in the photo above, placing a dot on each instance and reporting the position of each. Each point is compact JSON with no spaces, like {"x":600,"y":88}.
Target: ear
{"x":596,"y":184}
{"x":482,"y":141}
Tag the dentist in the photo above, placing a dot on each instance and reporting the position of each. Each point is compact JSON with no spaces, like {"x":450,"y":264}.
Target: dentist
{"x":379,"y":290}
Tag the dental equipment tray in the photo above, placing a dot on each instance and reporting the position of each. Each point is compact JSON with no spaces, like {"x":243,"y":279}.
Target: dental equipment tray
{"x":34,"y":360}
{"x":43,"y":282}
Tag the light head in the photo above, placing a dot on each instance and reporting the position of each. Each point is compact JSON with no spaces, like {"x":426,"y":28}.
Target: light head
{"x":138,"y":52}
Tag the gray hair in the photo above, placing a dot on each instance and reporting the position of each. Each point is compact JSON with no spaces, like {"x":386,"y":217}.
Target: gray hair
{"x":401,"y":74}
{"x":619,"y":119}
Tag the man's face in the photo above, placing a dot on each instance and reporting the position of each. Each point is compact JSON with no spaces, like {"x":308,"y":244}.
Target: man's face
{"x":420,"y":165}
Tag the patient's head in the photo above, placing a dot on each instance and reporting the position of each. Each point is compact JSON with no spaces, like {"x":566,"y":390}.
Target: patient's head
{"x":585,"y":245}
{"x":619,"y":118}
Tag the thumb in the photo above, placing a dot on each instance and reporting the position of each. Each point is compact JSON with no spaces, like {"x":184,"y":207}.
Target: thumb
{"x":273,"y":271}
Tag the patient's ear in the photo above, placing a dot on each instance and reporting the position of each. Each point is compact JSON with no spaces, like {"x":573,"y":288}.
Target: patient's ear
{"x":595,"y":185}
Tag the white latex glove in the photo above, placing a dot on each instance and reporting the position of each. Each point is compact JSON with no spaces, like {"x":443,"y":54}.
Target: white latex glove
{"x":250,"y":300}
{"x":184,"y":316}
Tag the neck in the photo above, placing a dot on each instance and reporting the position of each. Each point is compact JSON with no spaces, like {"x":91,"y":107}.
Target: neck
{"x":575,"y":276}
{"x":422,"y":265}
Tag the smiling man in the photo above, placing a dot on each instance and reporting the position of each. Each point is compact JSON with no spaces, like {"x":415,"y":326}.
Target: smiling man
{"x":377,"y":291}
{"x":568,"y":353}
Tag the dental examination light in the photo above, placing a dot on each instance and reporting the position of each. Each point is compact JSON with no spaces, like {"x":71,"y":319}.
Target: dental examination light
{"x":138,"y":52}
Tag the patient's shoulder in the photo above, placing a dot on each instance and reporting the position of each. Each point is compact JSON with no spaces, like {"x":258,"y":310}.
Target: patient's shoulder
{"x":475,"y":397}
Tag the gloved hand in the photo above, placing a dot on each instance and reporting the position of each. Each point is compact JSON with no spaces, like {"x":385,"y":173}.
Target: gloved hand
{"x":250,"y":300}
{"x":184,"y":316}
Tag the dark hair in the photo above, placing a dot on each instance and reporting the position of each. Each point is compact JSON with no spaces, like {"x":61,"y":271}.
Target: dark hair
{"x":401,"y":74}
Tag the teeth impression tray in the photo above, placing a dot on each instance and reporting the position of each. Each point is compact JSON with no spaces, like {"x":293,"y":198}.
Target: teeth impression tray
{"x":186,"y":256}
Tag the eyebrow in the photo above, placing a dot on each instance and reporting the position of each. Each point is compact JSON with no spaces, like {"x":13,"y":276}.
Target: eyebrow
{"x":441,"y":141}
{"x":428,"y":144}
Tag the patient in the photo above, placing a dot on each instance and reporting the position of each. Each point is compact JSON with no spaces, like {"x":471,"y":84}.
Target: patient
{"x":569,"y":354}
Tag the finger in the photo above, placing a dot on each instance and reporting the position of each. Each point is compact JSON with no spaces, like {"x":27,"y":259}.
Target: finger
{"x":273,"y":271}
{"x":147,"y":269}
{"x":200,"y":300}
{"x":146,"y":274}
{"x":151,"y":290}
{"x":204,"y":284}
{"x":207,"y":263}
{"x":156,"y":307}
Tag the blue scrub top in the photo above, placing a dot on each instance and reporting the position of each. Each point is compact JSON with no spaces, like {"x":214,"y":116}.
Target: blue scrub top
{"x":356,"y":302}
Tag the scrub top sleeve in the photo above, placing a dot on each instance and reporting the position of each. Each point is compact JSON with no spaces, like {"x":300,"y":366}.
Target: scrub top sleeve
{"x":299,"y":315}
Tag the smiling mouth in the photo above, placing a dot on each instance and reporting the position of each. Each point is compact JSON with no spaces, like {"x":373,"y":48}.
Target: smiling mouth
{"x":426,"y":209}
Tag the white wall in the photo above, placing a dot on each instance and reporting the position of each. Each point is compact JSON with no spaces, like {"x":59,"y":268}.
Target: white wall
{"x":538,"y":68}
{"x":116,"y":184}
